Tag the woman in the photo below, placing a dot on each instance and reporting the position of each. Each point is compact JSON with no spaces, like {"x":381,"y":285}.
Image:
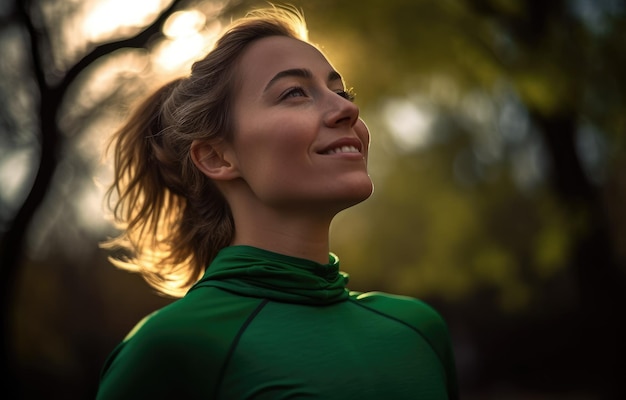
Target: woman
{"x":241,"y":167}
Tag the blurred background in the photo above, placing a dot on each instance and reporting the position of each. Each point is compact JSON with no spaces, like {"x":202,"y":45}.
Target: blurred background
{"x":498,"y":158}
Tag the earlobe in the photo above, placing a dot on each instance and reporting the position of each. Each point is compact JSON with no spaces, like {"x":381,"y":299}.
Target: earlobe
{"x":213,"y":160}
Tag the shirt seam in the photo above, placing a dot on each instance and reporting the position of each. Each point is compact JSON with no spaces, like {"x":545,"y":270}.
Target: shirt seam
{"x":235,"y":343}
{"x":430,"y":344}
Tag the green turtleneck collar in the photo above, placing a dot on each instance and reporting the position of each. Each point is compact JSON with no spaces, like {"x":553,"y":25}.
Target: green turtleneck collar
{"x":254,"y":272}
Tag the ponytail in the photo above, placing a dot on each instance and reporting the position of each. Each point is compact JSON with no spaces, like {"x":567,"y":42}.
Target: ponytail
{"x":170,"y":227}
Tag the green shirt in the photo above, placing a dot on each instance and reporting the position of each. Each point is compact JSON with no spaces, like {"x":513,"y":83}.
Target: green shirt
{"x":261,"y":325}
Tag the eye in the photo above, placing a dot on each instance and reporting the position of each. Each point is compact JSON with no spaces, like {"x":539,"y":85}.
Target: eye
{"x":293,"y":92}
{"x":347,"y":94}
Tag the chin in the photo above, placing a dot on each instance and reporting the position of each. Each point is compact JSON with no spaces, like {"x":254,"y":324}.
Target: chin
{"x":359,"y":194}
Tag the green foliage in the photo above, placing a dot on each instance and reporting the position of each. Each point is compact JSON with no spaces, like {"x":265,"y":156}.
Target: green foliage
{"x":427,"y":230}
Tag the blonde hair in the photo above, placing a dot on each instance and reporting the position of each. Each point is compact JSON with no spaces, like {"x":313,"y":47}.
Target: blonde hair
{"x":173,"y":219}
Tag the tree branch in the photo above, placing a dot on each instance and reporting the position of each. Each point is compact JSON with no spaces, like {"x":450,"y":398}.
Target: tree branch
{"x":138,"y":41}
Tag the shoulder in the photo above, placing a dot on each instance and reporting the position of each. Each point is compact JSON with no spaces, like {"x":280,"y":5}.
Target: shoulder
{"x":199,"y":316}
{"x":410,"y":311}
{"x":186,"y":341}
{"x":422,"y":318}
{"x":199,"y":326}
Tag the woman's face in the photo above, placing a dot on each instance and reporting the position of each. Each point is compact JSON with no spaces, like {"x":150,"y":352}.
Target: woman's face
{"x":298,"y":140}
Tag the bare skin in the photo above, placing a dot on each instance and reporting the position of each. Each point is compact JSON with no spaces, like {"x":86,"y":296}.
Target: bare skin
{"x":299,"y":154}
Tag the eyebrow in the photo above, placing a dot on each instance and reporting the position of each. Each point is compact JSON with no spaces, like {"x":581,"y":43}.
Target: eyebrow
{"x":300,"y":73}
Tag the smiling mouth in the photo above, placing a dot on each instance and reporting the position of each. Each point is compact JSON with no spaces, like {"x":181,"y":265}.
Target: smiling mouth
{"x":342,"y":149}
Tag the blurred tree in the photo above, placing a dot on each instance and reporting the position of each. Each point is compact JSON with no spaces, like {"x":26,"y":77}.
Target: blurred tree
{"x":33,"y":24}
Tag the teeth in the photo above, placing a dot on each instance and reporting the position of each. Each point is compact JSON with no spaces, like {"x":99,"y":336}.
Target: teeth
{"x":343,"y":149}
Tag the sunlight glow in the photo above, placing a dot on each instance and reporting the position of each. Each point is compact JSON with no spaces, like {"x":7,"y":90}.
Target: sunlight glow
{"x":88,"y":203}
{"x":171,"y":55}
{"x":188,"y":35}
{"x":408,"y":123}
{"x":15,"y":170}
{"x":183,"y":24}
{"x":111,"y":15}
{"x":187,"y":40}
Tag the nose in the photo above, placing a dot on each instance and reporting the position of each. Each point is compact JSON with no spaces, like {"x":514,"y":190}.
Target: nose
{"x":341,"y":111}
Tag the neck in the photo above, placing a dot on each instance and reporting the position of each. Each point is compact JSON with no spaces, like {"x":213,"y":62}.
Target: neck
{"x":303,"y":237}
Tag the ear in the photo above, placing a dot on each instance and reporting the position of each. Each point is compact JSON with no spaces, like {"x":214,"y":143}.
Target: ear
{"x":215,"y":160}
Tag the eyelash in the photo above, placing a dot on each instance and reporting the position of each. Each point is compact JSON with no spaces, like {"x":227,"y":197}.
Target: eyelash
{"x":347,"y":94}
{"x":292,"y":91}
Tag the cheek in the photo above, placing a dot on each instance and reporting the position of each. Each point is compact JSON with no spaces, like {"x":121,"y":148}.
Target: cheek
{"x":274,"y":141}
{"x":363,"y":133}
{"x":286,"y":135}
{"x":268,"y":152}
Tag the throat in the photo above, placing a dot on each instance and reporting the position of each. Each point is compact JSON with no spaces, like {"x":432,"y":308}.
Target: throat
{"x":308,"y":241}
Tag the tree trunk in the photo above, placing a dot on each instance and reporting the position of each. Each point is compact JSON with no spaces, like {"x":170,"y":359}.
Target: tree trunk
{"x":599,"y":279}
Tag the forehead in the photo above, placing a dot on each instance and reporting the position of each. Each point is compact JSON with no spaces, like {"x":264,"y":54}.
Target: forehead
{"x":264,"y":58}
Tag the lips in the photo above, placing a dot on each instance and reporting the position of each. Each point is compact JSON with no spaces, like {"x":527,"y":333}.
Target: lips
{"x":346,"y":145}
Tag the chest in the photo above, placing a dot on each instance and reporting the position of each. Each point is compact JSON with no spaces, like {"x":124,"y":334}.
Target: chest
{"x":333,"y":352}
